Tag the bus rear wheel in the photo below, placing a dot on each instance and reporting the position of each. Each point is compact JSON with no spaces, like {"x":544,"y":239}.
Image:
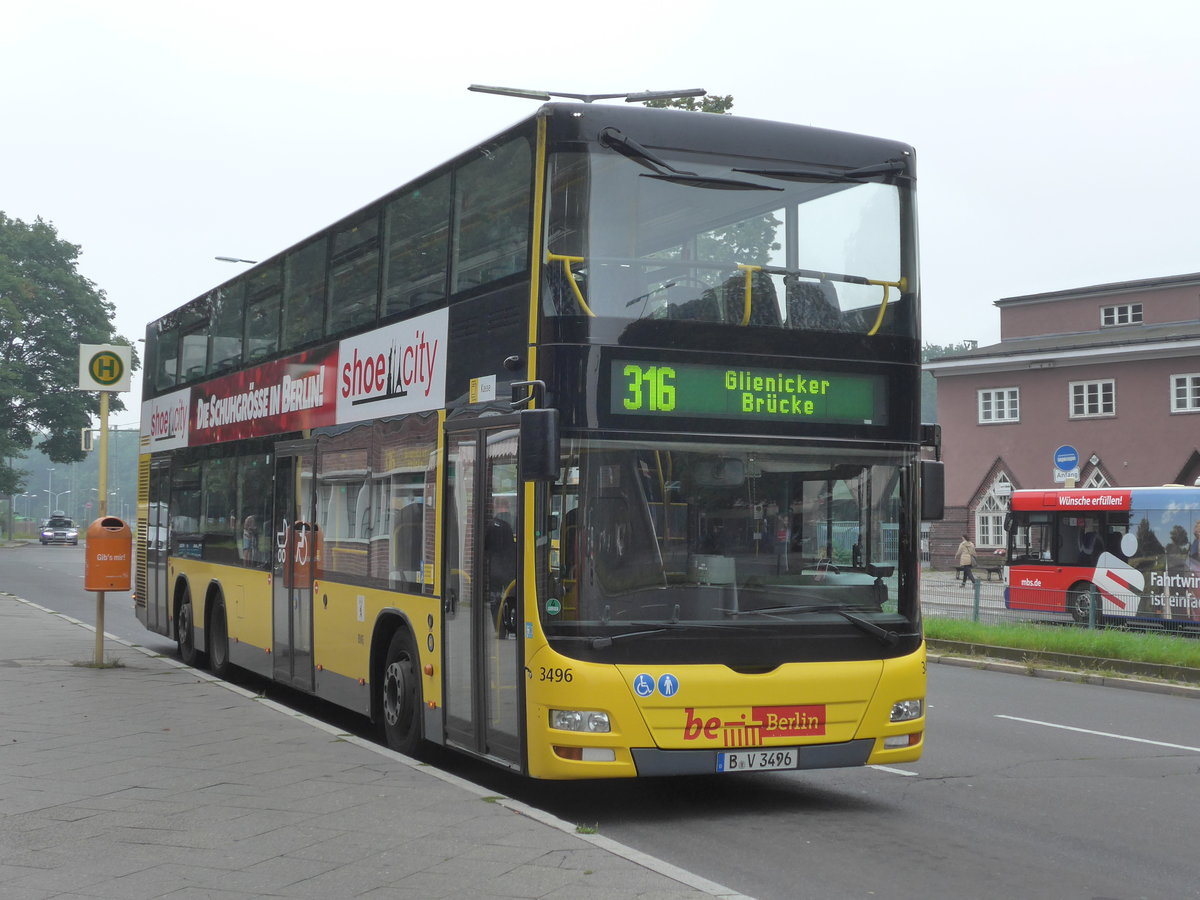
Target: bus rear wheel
{"x":218,"y":641}
{"x":401,"y":694}
{"x":1079,"y":602}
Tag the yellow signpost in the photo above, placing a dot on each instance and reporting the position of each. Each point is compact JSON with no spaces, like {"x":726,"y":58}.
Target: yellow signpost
{"x":104,"y":368}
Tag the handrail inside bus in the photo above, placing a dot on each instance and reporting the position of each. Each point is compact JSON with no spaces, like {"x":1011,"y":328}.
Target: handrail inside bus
{"x":566,"y":261}
{"x":747,"y":268}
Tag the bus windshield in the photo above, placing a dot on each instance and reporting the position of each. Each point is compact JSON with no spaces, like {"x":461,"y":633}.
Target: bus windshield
{"x":705,"y":238}
{"x":651,"y":543}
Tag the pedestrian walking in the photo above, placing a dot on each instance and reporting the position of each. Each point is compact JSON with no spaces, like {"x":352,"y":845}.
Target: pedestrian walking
{"x":965,"y":555}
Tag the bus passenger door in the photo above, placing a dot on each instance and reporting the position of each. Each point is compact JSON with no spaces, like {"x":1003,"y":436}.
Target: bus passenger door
{"x":294,"y":566}
{"x":158,"y":595}
{"x":482,"y":596}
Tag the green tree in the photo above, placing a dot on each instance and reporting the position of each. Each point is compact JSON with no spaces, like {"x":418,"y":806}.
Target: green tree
{"x":936,"y":351}
{"x":47,"y":309}
{"x":708,"y":104}
{"x":928,"y":382}
{"x":751,"y":241}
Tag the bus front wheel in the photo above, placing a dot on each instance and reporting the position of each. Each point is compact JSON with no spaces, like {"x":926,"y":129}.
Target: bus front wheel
{"x":1079,"y":602}
{"x":402,"y":694}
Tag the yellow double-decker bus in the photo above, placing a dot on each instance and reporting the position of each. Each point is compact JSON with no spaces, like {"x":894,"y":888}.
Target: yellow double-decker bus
{"x":593,"y":453}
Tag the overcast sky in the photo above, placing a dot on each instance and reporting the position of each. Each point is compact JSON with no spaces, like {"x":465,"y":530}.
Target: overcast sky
{"x":1058,"y":142}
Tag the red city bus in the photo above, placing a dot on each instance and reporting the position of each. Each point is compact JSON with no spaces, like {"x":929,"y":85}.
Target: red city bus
{"x":1138,"y":548}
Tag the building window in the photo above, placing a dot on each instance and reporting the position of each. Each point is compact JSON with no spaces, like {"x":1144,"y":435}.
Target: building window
{"x":1185,"y":393}
{"x":1090,"y":399}
{"x":999,"y":405}
{"x":1123,"y":314}
{"x":989,"y":514}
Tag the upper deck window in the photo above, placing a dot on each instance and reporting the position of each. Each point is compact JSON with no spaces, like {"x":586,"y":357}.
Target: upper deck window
{"x":491,"y":214}
{"x":225,"y":328}
{"x":417,"y":236}
{"x":354,"y":275}
{"x":304,"y":294}
{"x":725,"y":240}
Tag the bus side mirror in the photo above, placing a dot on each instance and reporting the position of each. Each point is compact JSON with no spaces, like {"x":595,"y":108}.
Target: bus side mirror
{"x":933,"y":490}
{"x":538,"y":456}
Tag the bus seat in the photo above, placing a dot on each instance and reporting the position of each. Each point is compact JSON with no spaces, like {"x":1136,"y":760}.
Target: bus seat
{"x":701,"y":309}
{"x":764,"y":303}
{"x":813,"y":305}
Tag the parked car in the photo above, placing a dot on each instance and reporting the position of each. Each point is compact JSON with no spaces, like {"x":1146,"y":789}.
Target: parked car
{"x":60,"y":530}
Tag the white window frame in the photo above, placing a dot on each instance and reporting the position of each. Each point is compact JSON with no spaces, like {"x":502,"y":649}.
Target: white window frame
{"x":989,"y":516}
{"x":1120,"y":314}
{"x":1189,"y":400}
{"x":1100,"y":387}
{"x":1010,"y":405}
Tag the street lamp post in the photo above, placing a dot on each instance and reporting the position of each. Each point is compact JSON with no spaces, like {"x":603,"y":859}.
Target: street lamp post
{"x":54,"y":497}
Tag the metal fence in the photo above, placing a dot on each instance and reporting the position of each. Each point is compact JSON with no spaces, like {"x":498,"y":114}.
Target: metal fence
{"x":983,"y":600}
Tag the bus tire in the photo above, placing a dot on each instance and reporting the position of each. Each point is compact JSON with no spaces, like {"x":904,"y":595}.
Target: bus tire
{"x":218,"y":640}
{"x":401,"y":694}
{"x":185,"y":631}
{"x":1079,"y":602}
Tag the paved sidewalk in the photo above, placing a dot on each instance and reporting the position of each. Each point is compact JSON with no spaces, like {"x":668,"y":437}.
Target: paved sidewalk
{"x":154,"y":780}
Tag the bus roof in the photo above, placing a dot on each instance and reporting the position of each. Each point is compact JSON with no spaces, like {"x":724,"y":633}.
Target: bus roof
{"x":654,"y":127}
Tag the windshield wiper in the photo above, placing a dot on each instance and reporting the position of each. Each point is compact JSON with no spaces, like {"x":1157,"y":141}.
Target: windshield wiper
{"x":652,"y":628}
{"x":885,"y":636}
{"x":710,"y":181}
{"x":897,"y":167}
{"x":613,"y":139}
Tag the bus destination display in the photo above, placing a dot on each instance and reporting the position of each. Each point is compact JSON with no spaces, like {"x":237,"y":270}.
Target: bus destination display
{"x":694,"y":390}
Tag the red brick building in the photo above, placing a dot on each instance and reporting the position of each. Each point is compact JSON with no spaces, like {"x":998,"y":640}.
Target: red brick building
{"x":1112,"y":370}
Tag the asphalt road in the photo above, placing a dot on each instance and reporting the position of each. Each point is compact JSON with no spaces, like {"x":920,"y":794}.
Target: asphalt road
{"x":1028,"y":788}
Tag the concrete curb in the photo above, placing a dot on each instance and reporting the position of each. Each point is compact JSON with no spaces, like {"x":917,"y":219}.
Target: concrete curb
{"x":1036,"y":668}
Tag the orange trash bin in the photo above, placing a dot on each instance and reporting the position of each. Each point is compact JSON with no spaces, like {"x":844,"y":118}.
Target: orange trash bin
{"x":108,"y":556}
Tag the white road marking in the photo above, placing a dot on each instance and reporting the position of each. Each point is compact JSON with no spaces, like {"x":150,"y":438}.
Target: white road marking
{"x":894,"y":770}
{"x":1119,"y":737}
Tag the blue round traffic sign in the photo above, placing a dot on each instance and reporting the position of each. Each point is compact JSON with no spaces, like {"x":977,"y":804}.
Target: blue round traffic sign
{"x":1066,"y":458}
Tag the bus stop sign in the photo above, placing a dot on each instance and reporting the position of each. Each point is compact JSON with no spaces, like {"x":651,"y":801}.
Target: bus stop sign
{"x":104,"y":367}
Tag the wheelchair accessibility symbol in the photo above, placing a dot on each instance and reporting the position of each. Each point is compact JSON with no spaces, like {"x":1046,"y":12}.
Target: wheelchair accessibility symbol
{"x":643,"y":685}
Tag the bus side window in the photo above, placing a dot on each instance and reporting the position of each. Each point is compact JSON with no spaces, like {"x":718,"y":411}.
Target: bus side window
{"x":1112,"y":543}
{"x":1069,"y":544}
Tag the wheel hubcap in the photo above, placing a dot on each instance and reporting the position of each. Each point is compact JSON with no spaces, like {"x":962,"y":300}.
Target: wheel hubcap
{"x":394,"y":680}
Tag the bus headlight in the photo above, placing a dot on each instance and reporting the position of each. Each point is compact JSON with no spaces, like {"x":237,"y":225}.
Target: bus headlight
{"x":907,"y":710}
{"x":585,"y":720}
